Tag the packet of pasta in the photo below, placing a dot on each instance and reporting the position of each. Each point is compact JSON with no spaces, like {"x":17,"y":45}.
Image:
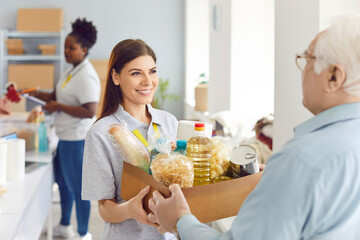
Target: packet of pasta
{"x":129,"y":147}
{"x":173,"y":168}
{"x":220,"y":159}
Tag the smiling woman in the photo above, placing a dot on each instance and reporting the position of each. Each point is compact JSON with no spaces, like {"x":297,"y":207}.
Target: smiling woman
{"x":131,"y":84}
{"x":138,"y":80}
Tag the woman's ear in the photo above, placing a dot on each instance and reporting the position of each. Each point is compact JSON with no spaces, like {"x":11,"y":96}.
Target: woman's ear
{"x":115,"y":77}
{"x":336,"y":79}
{"x":85,"y":50}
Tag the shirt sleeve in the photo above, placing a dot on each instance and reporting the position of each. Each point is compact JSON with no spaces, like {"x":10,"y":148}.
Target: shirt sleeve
{"x":98,"y":181}
{"x":276,"y":209}
{"x":90,"y":89}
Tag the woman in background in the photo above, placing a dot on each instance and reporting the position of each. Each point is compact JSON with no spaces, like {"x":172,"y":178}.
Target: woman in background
{"x":74,"y":102}
{"x":131,"y":83}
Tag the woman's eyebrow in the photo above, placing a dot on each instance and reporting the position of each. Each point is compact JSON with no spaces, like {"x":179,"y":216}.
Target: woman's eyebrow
{"x":134,"y":69}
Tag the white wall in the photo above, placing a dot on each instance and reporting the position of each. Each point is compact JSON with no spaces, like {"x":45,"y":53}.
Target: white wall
{"x":296,"y":23}
{"x":197,"y":42}
{"x":219,"y":96}
{"x":160,"y":23}
{"x":330,"y":9}
{"x":242,"y":58}
{"x":253,"y":42}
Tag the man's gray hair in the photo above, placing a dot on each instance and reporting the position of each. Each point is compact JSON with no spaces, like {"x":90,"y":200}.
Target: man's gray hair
{"x":340,"y":44}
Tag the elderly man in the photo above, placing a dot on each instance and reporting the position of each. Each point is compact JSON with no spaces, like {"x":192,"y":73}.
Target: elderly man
{"x":311,"y":187}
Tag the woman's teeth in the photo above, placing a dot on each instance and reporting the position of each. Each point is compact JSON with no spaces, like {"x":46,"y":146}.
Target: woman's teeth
{"x":144,"y":92}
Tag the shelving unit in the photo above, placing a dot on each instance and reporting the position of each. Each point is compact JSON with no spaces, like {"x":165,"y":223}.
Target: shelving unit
{"x":31,"y":54}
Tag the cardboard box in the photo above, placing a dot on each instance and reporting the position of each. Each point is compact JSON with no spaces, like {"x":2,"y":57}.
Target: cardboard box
{"x":14,"y":46}
{"x":32,"y":75}
{"x":18,"y":107}
{"x":47,"y":49}
{"x":101,"y":67}
{"x":40,"y":19}
{"x":201,"y":97}
{"x":208,"y":203}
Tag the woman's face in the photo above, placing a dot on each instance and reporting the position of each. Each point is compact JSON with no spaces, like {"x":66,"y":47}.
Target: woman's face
{"x":74,"y":53}
{"x":138,"y":80}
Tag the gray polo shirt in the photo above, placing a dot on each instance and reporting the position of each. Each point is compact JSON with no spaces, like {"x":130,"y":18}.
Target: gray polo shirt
{"x":102,"y":168}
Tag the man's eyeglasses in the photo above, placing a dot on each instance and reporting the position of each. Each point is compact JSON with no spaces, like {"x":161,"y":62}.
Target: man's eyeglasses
{"x":302,"y":59}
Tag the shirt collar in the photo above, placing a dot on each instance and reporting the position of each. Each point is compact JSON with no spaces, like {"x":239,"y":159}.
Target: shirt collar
{"x":131,"y":122}
{"x":155,"y":118}
{"x":78,"y":67}
{"x":335,"y":114}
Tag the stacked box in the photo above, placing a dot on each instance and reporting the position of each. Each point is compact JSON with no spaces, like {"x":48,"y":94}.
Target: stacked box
{"x":40,"y":19}
{"x":32,"y":75}
{"x":14,"y":46}
{"x":47,"y":49}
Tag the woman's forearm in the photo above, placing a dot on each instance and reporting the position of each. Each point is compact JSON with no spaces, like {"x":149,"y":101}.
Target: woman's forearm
{"x":113,"y":212}
{"x":44,"y":96}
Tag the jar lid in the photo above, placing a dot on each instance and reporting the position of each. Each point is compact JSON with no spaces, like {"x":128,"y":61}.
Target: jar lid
{"x":181,"y":144}
{"x":199,"y":126}
{"x":243,"y":154}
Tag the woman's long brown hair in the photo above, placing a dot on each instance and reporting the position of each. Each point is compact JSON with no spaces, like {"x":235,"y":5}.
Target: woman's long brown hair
{"x":124,"y":52}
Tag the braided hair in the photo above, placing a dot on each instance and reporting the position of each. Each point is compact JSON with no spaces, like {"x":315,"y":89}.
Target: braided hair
{"x":84,"y":33}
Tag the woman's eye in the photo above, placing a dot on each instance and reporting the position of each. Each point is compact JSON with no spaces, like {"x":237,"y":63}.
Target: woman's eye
{"x":153,"y":71}
{"x":135,"y":73}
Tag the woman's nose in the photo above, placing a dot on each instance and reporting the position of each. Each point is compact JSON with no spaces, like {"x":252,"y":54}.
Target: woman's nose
{"x":147,"y":79}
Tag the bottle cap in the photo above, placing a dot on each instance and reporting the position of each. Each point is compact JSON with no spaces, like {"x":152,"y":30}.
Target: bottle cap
{"x":181,"y":144}
{"x":199,"y":126}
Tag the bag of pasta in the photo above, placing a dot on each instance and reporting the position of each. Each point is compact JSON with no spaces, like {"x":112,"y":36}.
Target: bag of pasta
{"x":220,"y":158}
{"x":129,"y":147}
{"x":173,"y":168}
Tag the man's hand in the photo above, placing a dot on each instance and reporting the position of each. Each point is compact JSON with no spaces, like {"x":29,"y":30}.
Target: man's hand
{"x":165,"y":212}
{"x":262,"y":167}
{"x":51,"y":106}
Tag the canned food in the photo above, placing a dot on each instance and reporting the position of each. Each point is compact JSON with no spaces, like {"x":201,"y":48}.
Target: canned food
{"x":243,"y":161}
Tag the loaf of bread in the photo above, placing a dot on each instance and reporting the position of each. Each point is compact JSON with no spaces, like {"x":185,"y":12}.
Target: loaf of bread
{"x":130,"y":148}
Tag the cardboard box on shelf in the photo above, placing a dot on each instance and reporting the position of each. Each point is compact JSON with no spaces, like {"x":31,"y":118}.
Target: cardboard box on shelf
{"x":32,"y":75}
{"x":201,"y":97}
{"x":208,"y":203}
{"x":101,"y":66}
{"x":40,"y":19}
{"x":47,"y":49}
{"x":14,"y":46}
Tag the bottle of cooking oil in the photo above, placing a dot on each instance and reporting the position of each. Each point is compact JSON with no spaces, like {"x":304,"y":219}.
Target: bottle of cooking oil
{"x":199,"y":151}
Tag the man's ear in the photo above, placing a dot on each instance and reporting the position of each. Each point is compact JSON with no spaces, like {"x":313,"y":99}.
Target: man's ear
{"x":115,"y":77}
{"x":337,"y":78}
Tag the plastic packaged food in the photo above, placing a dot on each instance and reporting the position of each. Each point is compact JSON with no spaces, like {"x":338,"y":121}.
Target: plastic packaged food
{"x":220,"y":157}
{"x":129,"y":147}
{"x":158,"y":145}
{"x":173,"y":168}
